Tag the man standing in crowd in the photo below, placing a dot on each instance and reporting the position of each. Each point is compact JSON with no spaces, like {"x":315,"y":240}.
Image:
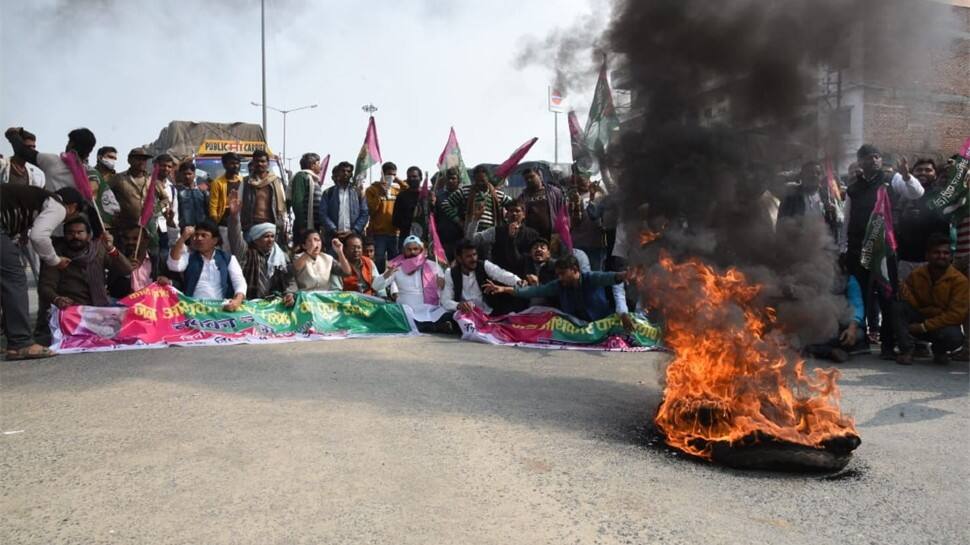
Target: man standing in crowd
{"x":193,"y":203}
{"x":82,"y":282}
{"x":381,"y":196}
{"x":107,"y":160}
{"x":131,"y":187}
{"x":220,"y":188}
{"x":581,"y":294}
{"x":466,"y":279}
{"x":859,"y":204}
{"x":510,"y":242}
{"x":167,"y":201}
{"x":914,"y":221}
{"x":585,"y":221}
{"x":363,"y":276}
{"x":263,"y":198}
{"x":811,"y":199}
{"x":461,"y":204}
{"x":26,"y":209}
{"x":933,"y":305}
{"x":265,"y":265}
{"x":543,"y":203}
{"x":343,"y":209}
{"x":305,"y":194}
{"x":17,"y":170}
{"x":448,"y":231}
{"x":208,"y":271}
{"x":56,"y":172}
{"x":405,"y":205}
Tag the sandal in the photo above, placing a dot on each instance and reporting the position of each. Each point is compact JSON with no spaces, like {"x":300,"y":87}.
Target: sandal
{"x":34,"y":352}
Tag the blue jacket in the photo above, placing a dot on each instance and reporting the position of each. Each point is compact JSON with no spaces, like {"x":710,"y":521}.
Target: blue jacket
{"x":194,"y":270}
{"x":588,"y":301}
{"x":329,"y":212}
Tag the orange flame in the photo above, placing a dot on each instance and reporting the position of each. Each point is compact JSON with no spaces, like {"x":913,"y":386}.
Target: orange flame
{"x":647,"y":236}
{"x":732,"y":378}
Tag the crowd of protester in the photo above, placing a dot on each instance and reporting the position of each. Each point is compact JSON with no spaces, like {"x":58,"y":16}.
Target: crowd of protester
{"x":258,"y":236}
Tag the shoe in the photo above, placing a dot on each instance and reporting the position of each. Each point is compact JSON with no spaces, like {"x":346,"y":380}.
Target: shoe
{"x":922,"y":351}
{"x":941,"y":359}
{"x":905,"y":358}
{"x":887,"y":355}
{"x":839,"y":356}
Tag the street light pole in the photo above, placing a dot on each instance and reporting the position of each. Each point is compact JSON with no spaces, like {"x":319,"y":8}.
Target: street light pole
{"x":262,"y":47}
{"x":284,"y":112}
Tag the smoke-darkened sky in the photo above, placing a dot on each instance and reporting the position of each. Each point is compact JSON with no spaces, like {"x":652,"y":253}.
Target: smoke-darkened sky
{"x":127,"y":68}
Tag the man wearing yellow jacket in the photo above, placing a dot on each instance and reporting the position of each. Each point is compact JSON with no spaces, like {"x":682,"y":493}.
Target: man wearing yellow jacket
{"x":933,"y":304}
{"x":381,"y":196}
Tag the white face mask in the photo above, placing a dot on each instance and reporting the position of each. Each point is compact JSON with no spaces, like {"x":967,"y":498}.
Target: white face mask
{"x":110,"y":163}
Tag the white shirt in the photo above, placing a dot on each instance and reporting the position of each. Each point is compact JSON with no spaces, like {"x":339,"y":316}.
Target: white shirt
{"x":471,"y":291}
{"x":210,"y":284}
{"x":51,"y":216}
{"x":410,"y":292}
{"x":35,"y":176}
{"x":343,"y":216}
{"x":173,"y":197}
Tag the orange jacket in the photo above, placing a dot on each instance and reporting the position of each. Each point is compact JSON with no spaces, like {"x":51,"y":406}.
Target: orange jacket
{"x":381,"y":208}
{"x":943,"y":303}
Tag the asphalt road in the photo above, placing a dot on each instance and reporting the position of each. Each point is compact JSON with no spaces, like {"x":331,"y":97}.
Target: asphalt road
{"x":431,"y":440}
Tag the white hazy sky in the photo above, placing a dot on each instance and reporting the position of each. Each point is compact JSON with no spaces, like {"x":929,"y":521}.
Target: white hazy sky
{"x":126,"y":68}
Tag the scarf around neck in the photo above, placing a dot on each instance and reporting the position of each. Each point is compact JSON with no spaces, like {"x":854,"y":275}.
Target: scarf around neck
{"x":429,"y":284}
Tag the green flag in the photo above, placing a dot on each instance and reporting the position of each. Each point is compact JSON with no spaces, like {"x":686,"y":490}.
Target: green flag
{"x":602,"y":119}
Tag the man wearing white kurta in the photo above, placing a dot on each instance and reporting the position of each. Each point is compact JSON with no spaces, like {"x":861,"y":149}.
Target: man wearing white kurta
{"x":471,"y":274}
{"x":417,"y":283}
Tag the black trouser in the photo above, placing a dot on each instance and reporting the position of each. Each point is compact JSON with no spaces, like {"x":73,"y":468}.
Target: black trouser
{"x":13,"y":295}
{"x":884,"y":298}
{"x":437,"y":325}
{"x":944,"y":339}
{"x":824,"y":350}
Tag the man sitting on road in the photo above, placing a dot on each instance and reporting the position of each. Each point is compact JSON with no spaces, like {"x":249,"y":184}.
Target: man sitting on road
{"x":933,"y":305}
{"x":362,"y":276}
{"x":465,"y":280}
{"x":82,"y":282}
{"x":417,"y":282}
{"x":208,"y":271}
{"x":581,"y":294}
{"x":264,"y":264}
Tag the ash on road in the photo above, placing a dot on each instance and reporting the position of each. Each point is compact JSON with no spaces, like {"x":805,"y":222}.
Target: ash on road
{"x":430,"y":440}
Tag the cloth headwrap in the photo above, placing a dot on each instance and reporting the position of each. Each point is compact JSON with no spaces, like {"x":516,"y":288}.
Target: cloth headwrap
{"x":413,"y":239}
{"x":257,"y":231}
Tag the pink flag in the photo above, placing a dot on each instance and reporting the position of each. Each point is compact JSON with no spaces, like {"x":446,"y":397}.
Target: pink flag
{"x":965,"y":149}
{"x":833,"y":185}
{"x":81,"y":182}
{"x":561,"y":225}
{"x":370,"y":152}
{"x":439,"y":250}
{"x":148,"y":206}
{"x":513,"y":161}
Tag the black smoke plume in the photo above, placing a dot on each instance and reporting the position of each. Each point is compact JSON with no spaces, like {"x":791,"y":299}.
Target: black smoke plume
{"x":722,"y":96}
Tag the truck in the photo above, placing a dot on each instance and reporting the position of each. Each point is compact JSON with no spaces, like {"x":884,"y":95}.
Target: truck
{"x":206,"y":141}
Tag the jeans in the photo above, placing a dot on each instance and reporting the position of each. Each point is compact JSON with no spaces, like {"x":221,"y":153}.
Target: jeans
{"x":385,"y":247}
{"x":883,"y":300}
{"x":944,"y":339}
{"x":13,"y":295}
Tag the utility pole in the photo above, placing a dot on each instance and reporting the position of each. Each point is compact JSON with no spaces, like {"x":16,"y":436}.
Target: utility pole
{"x":262,"y":47}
